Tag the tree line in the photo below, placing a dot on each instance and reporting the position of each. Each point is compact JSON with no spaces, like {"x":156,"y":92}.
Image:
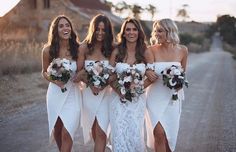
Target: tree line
{"x":226,"y":26}
{"x":135,"y":10}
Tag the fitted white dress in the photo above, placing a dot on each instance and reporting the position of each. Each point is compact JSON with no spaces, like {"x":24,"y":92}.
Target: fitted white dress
{"x":95,"y":106}
{"x":65,"y":105}
{"x":127,"y":119}
{"x":161,"y":108}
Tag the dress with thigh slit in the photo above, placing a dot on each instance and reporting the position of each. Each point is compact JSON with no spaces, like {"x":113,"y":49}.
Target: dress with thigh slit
{"x":95,"y":107}
{"x":161,"y":108}
{"x":64,"y":105}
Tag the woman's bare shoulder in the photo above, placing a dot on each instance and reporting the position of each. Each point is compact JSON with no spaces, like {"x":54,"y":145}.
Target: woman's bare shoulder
{"x":154,"y":48}
{"x":183,"y":49}
{"x":148,"y":51}
{"x":46,"y":49}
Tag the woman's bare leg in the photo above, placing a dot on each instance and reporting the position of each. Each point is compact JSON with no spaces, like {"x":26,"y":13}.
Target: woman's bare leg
{"x":57,"y":132}
{"x":66,"y":141}
{"x":100,"y":138}
{"x":160,"y":139}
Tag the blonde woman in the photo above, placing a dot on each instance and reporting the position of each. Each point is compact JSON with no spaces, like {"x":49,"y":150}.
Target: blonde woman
{"x":163,"y":112}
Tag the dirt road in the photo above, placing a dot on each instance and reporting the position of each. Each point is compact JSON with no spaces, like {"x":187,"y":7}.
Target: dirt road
{"x":209,"y":111}
{"x":208,"y":114}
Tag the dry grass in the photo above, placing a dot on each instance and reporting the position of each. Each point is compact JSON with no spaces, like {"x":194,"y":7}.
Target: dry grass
{"x":18,"y":57}
{"x":198,"y":48}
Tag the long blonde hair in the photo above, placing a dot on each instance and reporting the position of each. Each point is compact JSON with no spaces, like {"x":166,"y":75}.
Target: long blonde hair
{"x":171,"y":31}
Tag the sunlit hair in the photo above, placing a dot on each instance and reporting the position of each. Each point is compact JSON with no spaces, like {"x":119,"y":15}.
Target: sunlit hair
{"x":171,"y":31}
{"x":54,"y":39}
{"x":140,"y":45}
{"x":90,"y":39}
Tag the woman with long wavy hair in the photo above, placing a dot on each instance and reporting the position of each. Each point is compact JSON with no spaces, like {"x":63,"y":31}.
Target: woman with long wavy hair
{"x":127,"y":111}
{"x":96,"y":48}
{"x":63,"y":107}
{"x":164,"y":111}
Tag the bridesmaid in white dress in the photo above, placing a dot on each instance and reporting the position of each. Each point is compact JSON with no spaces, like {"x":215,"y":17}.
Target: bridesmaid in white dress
{"x":127,"y":119}
{"x":97,"y":46}
{"x":63,"y":108}
{"x":163,"y":112}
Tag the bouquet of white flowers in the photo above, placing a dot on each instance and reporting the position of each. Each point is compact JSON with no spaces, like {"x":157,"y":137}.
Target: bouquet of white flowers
{"x":174,"y":78}
{"x":130,"y":83}
{"x":60,"y":69}
{"x":98,"y":74}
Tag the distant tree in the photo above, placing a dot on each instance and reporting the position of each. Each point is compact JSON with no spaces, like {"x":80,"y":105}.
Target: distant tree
{"x":136,"y":10}
{"x":109,"y":4}
{"x":209,"y":32}
{"x":120,"y":7}
{"x":227,"y":27}
{"x":151,"y":9}
{"x":183,"y":13}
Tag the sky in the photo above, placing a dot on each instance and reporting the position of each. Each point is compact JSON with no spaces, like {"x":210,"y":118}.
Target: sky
{"x":198,"y":10}
{"x":6,"y":5}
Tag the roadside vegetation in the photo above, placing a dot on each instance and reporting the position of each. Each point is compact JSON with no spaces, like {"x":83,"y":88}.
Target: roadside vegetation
{"x":19,"y":57}
{"x":226,"y":26}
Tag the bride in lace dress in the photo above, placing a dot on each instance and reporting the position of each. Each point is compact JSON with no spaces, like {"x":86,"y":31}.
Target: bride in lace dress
{"x":164,"y":112}
{"x":127,"y":117}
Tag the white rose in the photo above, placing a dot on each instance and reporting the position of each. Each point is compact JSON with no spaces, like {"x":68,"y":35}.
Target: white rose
{"x":122,"y":91}
{"x":121,"y":82}
{"x":96,"y":83}
{"x":171,"y":83}
{"x":136,"y":81}
{"x":53,"y":72}
{"x":128,"y":79}
{"x":106,"y":76}
{"x":177,"y":72}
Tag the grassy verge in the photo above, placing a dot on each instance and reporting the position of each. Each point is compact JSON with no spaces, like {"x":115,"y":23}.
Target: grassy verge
{"x":20,"y":57}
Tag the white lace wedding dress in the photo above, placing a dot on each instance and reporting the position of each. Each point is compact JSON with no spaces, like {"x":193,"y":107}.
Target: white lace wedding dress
{"x":161,"y":108}
{"x":65,"y":105}
{"x":127,"y":119}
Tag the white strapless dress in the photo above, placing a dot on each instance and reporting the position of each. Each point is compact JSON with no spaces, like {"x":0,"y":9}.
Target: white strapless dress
{"x":95,"y":106}
{"x":161,"y":108}
{"x":65,"y":105}
{"x":127,"y":119}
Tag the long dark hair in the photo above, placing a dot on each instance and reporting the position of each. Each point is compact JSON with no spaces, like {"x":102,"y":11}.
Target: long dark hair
{"x":90,"y":39}
{"x":54,"y":40}
{"x":140,"y":45}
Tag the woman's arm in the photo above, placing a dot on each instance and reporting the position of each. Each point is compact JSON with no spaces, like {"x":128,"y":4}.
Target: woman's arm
{"x":45,"y":63}
{"x":184,"y":51}
{"x":113,"y":81}
{"x":81,"y":74}
{"x":149,"y":58}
